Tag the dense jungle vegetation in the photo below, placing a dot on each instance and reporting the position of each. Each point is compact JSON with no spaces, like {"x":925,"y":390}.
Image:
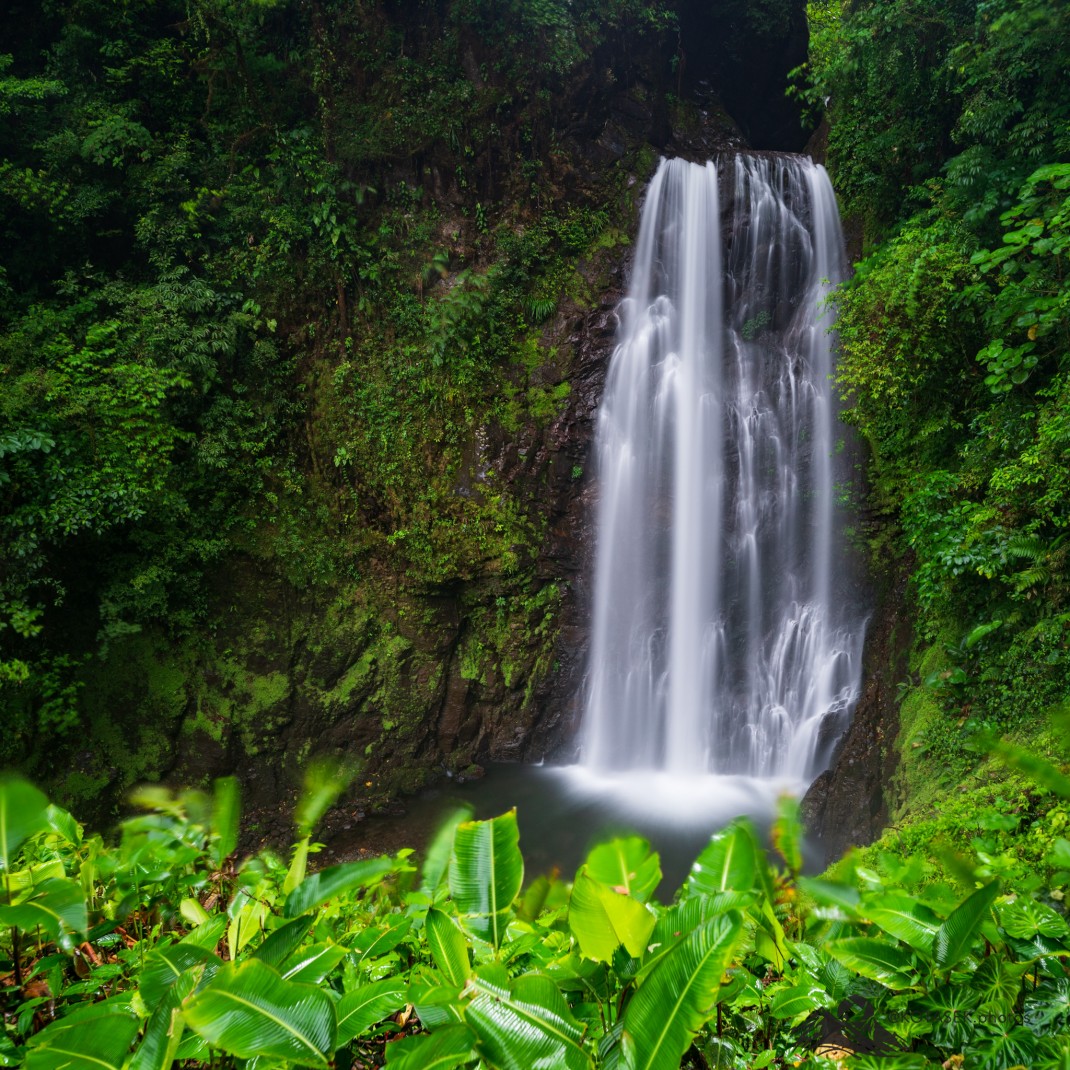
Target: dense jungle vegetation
{"x":269,"y":270}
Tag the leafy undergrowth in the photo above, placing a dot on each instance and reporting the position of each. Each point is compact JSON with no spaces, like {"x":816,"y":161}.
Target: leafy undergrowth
{"x":164,"y":950}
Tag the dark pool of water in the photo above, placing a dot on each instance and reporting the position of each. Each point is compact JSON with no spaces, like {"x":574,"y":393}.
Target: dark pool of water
{"x":563,"y":812}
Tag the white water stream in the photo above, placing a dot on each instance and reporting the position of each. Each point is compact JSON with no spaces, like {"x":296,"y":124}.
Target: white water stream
{"x":722,"y":639}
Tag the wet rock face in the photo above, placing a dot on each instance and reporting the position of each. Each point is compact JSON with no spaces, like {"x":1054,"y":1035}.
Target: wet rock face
{"x":846,"y":805}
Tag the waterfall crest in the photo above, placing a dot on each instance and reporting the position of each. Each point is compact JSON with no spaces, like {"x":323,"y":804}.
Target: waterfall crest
{"x":722,"y":640}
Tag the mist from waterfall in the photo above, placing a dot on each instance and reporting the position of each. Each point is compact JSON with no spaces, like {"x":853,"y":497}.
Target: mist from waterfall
{"x":723,"y":639}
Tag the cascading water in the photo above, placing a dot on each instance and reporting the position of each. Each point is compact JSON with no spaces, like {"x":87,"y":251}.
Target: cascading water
{"x":721,"y":642}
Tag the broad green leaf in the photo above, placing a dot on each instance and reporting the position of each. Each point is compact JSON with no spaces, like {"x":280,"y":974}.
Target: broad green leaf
{"x":333,"y":881}
{"x":23,"y":811}
{"x":377,"y":940}
{"x":246,"y":921}
{"x":298,"y":868}
{"x":485,"y":875}
{"x":163,"y":1033}
{"x":444,"y":1049}
{"x":449,"y":949}
{"x":436,"y":1004}
{"x":787,"y":833}
{"x":527,"y":1025}
{"x":679,"y":996}
{"x":769,"y":940}
{"x":312,"y":964}
{"x":999,"y":983}
{"x":101,"y":1043}
{"x":192,"y":911}
{"x":249,"y":1010}
{"x":878,"y":960}
{"x":1023,"y":918}
{"x":955,"y":937}
{"x":325,"y":779}
{"x":603,"y":920}
{"x":905,"y":918}
{"x":437,"y":855}
{"x":284,"y":941}
{"x":226,"y":814}
{"x":22,"y":880}
{"x":830,"y":893}
{"x":165,"y":965}
{"x":208,"y":932}
{"x":57,"y":905}
{"x":362,"y":1008}
{"x":627,"y":865}
{"x":63,"y":825}
{"x":799,"y":1001}
{"x":728,"y":863}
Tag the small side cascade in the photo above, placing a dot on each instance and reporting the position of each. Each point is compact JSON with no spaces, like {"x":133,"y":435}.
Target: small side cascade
{"x":723,"y":636}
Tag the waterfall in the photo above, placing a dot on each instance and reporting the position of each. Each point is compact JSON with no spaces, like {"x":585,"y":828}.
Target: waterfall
{"x":722,"y":639}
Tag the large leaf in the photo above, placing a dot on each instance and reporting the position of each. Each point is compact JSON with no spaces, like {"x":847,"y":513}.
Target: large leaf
{"x":284,"y":941}
{"x":23,"y":811}
{"x":163,"y":1033}
{"x":312,"y":964}
{"x":442,"y":1050}
{"x":437,"y":855}
{"x":678,"y":997}
{"x":486,"y":872}
{"x":449,"y":949}
{"x":436,"y":1004}
{"x":603,"y":920}
{"x":905,"y":918}
{"x":799,"y":1001}
{"x":878,"y":960}
{"x":769,"y":940}
{"x":249,"y":1010}
{"x":1024,"y":918}
{"x":57,"y":905}
{"x":999,"y":984}
{"x":728,"y":863}
{"x":226,"y":814}
{"x":627,"y":865}
{"x":377,"y":940}
{"x":955,"y":937}
{"x":527,"y":1025}
{"x":100,"y":1043}
{"x":363,"y":1007}
{"x":336,"y":880}
{"x":165,"y":965}
{"x":787,"y":833}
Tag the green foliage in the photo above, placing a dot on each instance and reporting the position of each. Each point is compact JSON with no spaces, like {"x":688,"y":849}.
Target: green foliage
{"x":746,"y":964}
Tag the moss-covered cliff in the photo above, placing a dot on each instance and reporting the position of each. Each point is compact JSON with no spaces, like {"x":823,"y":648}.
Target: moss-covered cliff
{"x":305,"y":316}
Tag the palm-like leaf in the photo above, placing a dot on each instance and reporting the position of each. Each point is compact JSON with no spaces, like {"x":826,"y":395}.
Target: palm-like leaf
{"x":334,"y":881}
{"x":728,"y":863}
{"x":526,"y":1025}
{"x":878,"y":960}
{"x":57,"y":905}
{"x":249,"y":1010}
{"x":442,"y":1050}
{"x":602,"y":920}
{"x":628,"y":865}
{"x":905,"y":918}
{"x":165,"y":965}
{"x":362,"y":1008}
{"x":99,"y":1043}
{"x":485,"y":875}
{"x":955,"y":937}
{"x":448,"y":946}
{"x":679,"y":996}
{"x":23,"y":811}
